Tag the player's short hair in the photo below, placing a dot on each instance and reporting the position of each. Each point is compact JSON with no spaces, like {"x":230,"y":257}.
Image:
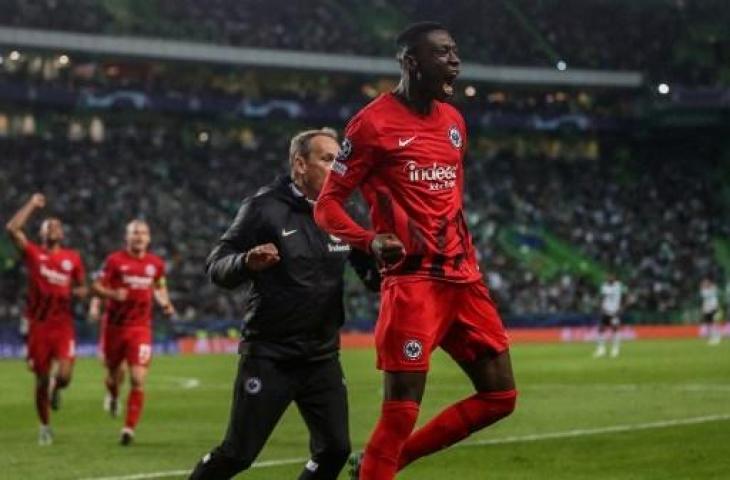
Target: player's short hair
{"x":137,"y":221}
{"x":413,"y":34}
{"x":301,"y":143}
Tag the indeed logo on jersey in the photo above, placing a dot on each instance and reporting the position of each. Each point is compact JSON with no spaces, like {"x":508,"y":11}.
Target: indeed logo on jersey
{"x":338,"y":246}
{"x":55,"y":277}
{"x":438,"y":177}
{"x":137,"y":282}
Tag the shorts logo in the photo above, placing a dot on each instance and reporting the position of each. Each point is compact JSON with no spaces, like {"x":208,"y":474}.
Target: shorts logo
{"x":67,"y":265}
{"x":345,"y":150}
{"x":150,"y":270}
{"x":253,"y":385}
{"x":413,"y":350}
{"x":455,"y":137}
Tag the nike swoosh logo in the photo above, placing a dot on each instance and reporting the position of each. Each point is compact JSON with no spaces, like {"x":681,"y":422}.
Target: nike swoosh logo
{"x":286,"y":233}
{"x":403,"y":142}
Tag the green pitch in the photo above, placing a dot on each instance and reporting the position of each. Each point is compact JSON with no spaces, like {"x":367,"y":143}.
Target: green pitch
{"x":660,"y":411}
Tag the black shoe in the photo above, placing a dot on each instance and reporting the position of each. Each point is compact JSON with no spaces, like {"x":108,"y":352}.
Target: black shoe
{"x":127,"y":437}
{"x":354,"y":463}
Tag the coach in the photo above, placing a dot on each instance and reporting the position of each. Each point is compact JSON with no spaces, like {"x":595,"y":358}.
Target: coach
{"x":290,"y":347}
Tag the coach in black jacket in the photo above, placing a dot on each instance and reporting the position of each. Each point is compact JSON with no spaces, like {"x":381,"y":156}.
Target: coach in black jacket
{"x":290,"y":346}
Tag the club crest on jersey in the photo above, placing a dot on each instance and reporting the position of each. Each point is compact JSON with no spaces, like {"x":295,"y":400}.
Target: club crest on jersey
{"x":345,"y":150}
{"x":413,"y":350}
{"x":253,"y":385}
{"x":455,"y":137}
{"x":150,"y":270}
{"x":67,"y":265}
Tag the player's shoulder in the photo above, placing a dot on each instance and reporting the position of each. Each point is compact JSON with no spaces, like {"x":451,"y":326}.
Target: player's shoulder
{"x":72,"y":253}
{"x":115,"y":257}
{"x":154,"y":258}
{"x":451,"y":112}
{"x":371,"y":116}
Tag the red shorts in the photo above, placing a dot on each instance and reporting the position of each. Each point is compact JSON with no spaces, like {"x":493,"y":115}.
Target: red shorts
{"x":131,"y":344}
{"x":417,"y":315}
{"x":48,"y":344}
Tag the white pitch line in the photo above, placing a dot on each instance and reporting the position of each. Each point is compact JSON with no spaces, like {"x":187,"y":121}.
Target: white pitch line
{"x":580,"y":432}
{"x":583,"y":432}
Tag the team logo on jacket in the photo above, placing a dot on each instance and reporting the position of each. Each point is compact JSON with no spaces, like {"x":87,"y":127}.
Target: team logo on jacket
{"x":253,"y":385}
{"x":67,"y":265}
{"x":413,"y":350}
{"x":150,"y":270}
{"x":455,"y":137}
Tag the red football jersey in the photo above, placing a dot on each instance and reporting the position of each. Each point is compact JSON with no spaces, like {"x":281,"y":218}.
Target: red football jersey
{"x":140,"y":277}
{"x":51,"y":277}
{"x":409,"y":168}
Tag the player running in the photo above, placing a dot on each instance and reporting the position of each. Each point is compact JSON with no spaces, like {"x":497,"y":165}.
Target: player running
{"x":55,"y":276}
{"x":711,"y":311}
{"x":405,"y":152}
{"x":612,"y":292}
{"x":128,"y":281}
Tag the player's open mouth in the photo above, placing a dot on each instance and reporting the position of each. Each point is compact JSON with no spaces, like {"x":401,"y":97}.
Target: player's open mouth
{"x":448,"y":85}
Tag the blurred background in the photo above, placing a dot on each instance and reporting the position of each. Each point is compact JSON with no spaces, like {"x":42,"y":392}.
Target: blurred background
{"x":598,"y":139}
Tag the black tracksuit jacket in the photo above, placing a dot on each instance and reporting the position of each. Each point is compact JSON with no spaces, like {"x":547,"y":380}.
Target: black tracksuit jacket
{"x":295,"y":308}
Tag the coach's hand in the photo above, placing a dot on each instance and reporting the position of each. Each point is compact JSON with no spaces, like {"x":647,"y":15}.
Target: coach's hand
{"x":262,"y":257}
{"x":388,"y":249}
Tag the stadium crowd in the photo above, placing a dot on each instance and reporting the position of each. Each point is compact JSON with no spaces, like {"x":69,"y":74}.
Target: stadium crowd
{"x":654,"y":227}
{"x":520,"y":32}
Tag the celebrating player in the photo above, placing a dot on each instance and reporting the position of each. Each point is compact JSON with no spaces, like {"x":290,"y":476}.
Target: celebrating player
{"x":405,"y":151}
{"x":290,"y":347}
{"x":128,"y":281}
{"x":711,"y":311}
{"x":612,"y":292}
{"x":55,"y":275}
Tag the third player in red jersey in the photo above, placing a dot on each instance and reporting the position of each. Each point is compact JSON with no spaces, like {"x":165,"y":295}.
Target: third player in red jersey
{"x":129,"y":281}
{"x":55,"y":275}
{"x":405,"y":152}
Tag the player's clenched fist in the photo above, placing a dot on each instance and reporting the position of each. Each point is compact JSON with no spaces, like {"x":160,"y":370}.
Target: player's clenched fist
{"x":388,"y":249}
{"x":38,"y":200}
{"x":262,"y":257}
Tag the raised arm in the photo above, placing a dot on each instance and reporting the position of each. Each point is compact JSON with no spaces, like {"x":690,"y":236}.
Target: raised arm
{"x":15,"y":225}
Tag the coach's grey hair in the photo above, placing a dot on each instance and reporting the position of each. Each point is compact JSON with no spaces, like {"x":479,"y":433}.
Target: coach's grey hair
{"x":301,"y":143}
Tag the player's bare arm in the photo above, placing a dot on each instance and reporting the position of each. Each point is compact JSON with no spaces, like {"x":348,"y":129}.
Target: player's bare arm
{"x":81,"y":290}
{"x":95,"y":309}
{"x":15,"y":225}
{"x":118,"y":294}
{"x":162,"y":296}
{"x":262,"y":257}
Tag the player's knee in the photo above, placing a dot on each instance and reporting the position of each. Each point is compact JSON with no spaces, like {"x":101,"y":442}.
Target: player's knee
{"x":495,"y":406}
{"x":63,"y":380}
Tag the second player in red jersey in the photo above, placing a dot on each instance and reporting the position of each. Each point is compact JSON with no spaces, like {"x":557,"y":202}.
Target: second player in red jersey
{"x":405,"y":151}
{"x":131,"y":281}
{"x":55,"y":276}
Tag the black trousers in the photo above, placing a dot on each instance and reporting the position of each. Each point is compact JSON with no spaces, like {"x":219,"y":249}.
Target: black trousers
{"x":262,"y":392}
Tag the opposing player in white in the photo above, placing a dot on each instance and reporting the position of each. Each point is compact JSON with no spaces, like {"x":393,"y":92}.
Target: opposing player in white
{"x":711,"y":311}
{"x":612,"y":292}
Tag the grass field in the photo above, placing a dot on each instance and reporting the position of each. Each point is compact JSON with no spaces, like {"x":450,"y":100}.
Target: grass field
{"x":660,"y":411}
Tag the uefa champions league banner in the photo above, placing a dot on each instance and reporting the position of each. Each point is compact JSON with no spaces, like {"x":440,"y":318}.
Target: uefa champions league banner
{"x":16,"y":348}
